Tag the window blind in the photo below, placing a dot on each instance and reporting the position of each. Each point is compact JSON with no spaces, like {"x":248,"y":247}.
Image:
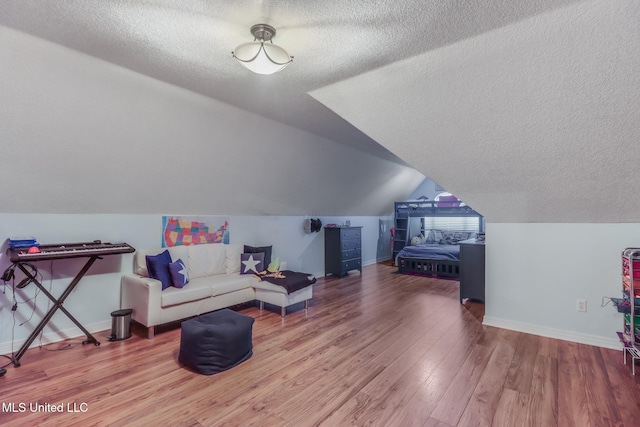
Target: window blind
{"x":470,"y":224}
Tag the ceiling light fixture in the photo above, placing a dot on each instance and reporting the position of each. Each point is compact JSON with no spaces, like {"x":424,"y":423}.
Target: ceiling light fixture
{"x":259,"y":56}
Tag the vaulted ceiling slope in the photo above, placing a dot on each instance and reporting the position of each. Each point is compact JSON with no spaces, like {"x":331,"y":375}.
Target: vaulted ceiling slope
{"x":536,"y":121}
{"x":80,"y":135}
{"x":188,"y":43}
{"x":140,"y":86}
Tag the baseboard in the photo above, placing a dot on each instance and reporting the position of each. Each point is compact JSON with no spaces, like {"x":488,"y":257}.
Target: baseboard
{"x":57,"y":336}
{"x":364,"y":264}
{"x":595,"y":340}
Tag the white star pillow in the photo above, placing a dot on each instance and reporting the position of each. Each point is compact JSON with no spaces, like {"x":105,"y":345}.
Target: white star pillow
{"x":252,"y":263}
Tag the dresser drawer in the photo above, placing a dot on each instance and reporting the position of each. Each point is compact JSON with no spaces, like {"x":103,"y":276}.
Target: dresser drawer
{"x":350,"y":244}
{"x":353,"y":233}
{"x":353,"y":264}
{"x":351,"y":253}
{"x":342,"y":250}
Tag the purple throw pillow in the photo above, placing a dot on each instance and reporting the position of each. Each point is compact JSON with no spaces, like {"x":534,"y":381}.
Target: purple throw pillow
{"x":158,"y":266}
{"x":179,"y":273}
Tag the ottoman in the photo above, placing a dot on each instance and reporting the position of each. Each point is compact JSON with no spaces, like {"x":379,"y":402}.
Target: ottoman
{"x":215,"y":342}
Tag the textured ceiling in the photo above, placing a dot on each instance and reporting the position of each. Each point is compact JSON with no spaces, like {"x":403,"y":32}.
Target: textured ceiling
{"x":526,"y":109}
{"x":536,"y":121}
{"x":188,"y":43}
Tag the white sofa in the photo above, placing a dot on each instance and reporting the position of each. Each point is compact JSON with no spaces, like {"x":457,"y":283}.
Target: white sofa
{"x":215,"y":282}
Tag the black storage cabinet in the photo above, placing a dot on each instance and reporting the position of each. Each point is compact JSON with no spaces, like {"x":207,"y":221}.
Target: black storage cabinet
{"x":342,"y":250}
{"x":472,"y":270}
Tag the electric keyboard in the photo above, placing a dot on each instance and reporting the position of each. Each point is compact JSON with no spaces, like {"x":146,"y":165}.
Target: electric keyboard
{"x":70,"y":250}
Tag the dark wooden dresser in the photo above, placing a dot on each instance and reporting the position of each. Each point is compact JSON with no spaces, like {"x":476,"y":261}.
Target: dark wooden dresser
{"x":342,"y":250}
{"x":472,"y":270}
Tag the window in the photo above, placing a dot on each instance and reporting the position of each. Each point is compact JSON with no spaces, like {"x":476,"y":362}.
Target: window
{"x":461,"y":223}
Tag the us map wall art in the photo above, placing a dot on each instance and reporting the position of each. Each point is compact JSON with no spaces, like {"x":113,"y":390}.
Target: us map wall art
{"x":194,"y":230}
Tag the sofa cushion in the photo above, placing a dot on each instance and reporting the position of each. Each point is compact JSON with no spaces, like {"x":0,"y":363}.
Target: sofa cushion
{"x":196,"y":289}
{"x":158,"y":267}
{"x":252,"y":263}
{"x":231,"y":282}
{"x":233,"y":258}
{"x":179,"y":273}
{"x":207,"y":260}
{"x":257,"y":249}
{"x":266,"y":286}
{"x":140,"y":263}
{"x":205,"y":287}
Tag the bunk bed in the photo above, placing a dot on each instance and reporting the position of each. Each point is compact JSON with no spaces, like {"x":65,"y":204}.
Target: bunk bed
{"x":432,"y":252}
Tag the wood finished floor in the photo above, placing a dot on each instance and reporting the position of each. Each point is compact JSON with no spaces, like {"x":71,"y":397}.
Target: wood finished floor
{"x":375,"y":349}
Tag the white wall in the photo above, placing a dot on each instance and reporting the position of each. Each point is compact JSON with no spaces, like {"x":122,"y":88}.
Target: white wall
{"x":80,"y":135}
{"x":536,"y":272}
{"x":98,"y":293}
{"x":303,"y":251}
{"x":426,"y":188}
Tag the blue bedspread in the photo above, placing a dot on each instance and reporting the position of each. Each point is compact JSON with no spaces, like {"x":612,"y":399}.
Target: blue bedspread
{"x":431,"y":251}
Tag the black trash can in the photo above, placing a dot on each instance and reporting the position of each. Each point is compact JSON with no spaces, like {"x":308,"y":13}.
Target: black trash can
{"x":120,"y":324}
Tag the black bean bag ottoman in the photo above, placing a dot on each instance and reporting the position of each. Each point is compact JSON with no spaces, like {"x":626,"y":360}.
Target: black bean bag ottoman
{"x":215,"y":342}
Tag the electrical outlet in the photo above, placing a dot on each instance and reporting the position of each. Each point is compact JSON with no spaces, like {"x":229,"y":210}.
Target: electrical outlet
{"x":581,"y":305}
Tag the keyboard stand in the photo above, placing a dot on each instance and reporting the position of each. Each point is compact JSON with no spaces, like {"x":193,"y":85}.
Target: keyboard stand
{"x":57,"y":305}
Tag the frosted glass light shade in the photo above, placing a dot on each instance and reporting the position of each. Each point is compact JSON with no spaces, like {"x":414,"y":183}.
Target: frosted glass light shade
{"x":262,"y":57}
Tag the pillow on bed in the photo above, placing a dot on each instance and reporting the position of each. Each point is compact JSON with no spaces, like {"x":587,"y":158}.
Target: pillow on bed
{"x":448,"y":239}
{"x":431,"y":237}
{"x":465,"y":235}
